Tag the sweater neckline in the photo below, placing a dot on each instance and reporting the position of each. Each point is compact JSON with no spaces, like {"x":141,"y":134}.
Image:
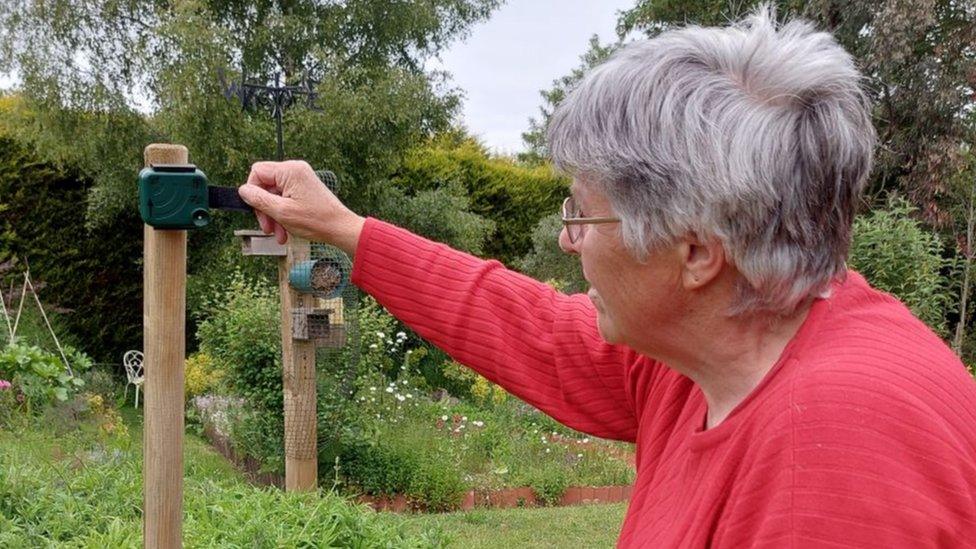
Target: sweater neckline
{"x":702,"y":438}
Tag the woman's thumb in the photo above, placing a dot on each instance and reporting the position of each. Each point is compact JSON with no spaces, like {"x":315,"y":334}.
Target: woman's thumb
{"x":261,"y":199}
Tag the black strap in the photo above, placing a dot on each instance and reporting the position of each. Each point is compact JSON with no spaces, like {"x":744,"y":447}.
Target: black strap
{"x":227,"y":198}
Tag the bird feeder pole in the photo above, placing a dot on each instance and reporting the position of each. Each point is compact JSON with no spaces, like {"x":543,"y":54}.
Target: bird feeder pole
{"x":297,"y":356}
{"x":164,"y":343}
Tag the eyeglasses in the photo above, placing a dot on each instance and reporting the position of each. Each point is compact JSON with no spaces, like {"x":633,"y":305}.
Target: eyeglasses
{"x":575,"y":225}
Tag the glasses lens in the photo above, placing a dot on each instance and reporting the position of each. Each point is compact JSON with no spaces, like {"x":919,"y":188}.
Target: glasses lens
{"x":571,"y":211}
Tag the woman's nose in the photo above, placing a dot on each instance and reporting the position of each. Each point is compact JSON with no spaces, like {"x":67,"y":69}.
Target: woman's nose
{"x":564,"y":243}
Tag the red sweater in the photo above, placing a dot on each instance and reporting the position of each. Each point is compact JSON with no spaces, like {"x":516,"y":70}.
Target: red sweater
{"x":862,"y":435}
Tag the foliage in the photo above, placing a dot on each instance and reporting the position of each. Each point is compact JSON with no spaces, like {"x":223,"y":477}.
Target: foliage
{"x":547,"y":261}
{"x":511,"y":195}
{"x":241,"y":332}
{"x":550,"y":485}
{"x":200,"y":375}
{"x":8,"y":404}
{"x":896,"y":254}
{"x":259,"y":434}
{"x":442,"y":215}
{"x":40,"y":376}
{"x":102,"y":381}
{"x":68,"y":491}
{"x":917,"y":56}
{"x":481,"y":391}
{"x":88,"y":277}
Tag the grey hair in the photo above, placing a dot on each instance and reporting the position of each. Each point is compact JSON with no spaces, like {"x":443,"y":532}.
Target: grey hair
{"x":756,"y":134}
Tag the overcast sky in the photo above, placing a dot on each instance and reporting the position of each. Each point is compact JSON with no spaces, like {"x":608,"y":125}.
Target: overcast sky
{"x":507,"y":60}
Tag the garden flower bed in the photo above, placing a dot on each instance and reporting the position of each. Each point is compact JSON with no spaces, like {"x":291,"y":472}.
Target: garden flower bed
{"x":448,"y":455}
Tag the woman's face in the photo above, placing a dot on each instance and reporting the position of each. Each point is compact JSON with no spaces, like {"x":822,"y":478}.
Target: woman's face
{"x":634,"y":301}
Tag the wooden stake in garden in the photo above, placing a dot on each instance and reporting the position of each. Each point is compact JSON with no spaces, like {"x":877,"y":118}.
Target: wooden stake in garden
{"x":164,"y":344}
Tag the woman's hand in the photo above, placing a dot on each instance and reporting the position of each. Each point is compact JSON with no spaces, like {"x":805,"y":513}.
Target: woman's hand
{"x":288,"y":198}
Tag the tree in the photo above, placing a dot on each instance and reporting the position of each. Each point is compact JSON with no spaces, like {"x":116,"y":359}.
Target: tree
{"x":90,"y":68}
{"x":535,"y":137}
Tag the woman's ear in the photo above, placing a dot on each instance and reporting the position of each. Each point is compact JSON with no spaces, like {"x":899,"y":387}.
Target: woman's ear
{"x":702,"y":260}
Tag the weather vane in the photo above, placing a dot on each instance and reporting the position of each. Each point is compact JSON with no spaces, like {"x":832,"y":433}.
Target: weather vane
{"x":274,"y":98}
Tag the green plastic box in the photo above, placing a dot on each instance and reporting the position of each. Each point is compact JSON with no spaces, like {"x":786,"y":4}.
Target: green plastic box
{"x":174,"y":196}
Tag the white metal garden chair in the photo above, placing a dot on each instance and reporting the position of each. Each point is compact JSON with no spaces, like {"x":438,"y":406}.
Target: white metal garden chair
{"x":132,"y":360}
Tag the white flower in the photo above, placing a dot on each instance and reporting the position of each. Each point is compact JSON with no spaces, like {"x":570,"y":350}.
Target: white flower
{"x":401,"y":335}
{"x":460,"y":427}
{"x":443,"y":418}
{"x":464,"y":418}
{"x":380,"y":335}
{"x":547,"y":450}
{"x":372,"y":388}
{"x":404,"y":382}
{"x":579,"y":455}
{"x":586,"y":441}
{"x":401,"y":398}
{"x":478,"y":423}
{"x":409,"y":395}
{"x":409,"y":351}
{"x":544,"y":440}
{"x":389,"y":389}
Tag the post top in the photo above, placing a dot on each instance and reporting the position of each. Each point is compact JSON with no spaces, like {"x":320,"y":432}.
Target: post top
{"x":165,"y":153}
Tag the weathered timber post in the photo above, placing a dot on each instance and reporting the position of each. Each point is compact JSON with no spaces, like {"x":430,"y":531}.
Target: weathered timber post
{"x":164,"y":343}
{"x":297,"y":360}
{"x":298,"y":379}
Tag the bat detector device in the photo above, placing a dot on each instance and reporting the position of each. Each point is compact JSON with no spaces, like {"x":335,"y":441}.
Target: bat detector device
{"x":178,"y":196}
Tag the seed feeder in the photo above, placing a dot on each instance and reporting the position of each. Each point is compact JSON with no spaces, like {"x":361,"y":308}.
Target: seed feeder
{"x":324,"y":277}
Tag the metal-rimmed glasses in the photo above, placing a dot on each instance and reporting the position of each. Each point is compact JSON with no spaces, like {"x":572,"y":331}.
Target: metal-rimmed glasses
{"x":575,"y":224}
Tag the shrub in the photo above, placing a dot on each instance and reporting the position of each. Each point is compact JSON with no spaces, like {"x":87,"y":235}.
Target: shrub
{"x":549,"y":484}
{"x":439,"y":485}
{"x":241,"y":333}
{"x":379,"y":469}
{"x":38,"y":375}
{"x":259,"y":434}
{"x":103,"y":382}
{"x":511,"y":195}
{"x":201,"y":376}
{"x":897,"y":255}
{"x":546,"y":261}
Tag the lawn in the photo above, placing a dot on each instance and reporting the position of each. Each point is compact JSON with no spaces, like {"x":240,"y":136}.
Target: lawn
{"x":73,"y":478}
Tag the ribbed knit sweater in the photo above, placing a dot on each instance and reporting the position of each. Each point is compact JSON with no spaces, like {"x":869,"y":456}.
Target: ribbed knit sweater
{"x":862,"y":435}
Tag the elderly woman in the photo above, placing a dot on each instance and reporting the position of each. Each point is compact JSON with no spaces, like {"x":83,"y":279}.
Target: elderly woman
{"x":775,"y":398}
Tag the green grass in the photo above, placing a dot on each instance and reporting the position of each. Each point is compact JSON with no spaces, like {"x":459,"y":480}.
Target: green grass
{"x":70,"y":485}
{"x":579,"y":526}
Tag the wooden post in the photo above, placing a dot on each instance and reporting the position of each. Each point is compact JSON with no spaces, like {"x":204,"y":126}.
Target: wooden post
{"x":164,"y":344}
{"x":298,"y":377}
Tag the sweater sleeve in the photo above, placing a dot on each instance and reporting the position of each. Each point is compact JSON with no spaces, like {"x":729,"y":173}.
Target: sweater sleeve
{"x":538,"y":344}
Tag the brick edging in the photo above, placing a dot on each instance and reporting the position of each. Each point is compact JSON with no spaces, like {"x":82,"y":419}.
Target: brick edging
{"x":507,"y":498}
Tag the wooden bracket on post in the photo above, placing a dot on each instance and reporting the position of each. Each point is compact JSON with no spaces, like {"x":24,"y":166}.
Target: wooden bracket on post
{"x":164,"y":344}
